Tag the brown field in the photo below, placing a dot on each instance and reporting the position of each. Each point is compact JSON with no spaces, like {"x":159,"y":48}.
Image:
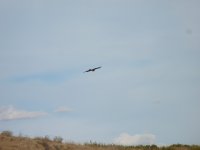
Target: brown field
{"x":10,"y":142}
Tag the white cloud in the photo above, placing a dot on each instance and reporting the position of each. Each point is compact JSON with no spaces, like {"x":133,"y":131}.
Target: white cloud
{"x":138,"y":139}
{"x":11,"y":113}
{"x":62,"y":109}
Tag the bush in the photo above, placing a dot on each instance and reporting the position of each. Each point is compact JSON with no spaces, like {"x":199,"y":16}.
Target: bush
{"x":58,"y":139}
{"x":7,"y":133}
{"x":44,"y":144}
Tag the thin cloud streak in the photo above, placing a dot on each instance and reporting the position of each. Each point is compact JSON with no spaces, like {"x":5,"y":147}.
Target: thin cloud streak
{"x":62,"y":109}
{"x":11,"y":113}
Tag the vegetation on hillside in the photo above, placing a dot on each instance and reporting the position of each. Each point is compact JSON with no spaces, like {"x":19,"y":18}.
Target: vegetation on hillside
{"x":10,"y":142}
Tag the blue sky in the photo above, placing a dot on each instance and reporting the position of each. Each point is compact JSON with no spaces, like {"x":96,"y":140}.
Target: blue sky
{"x":147,"y":91}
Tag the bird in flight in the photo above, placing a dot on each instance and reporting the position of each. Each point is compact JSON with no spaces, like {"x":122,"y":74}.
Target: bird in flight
{"x":92,"y":69}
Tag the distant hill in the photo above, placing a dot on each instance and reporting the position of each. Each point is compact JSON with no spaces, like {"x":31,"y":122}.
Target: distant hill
{"x":10,"y":142}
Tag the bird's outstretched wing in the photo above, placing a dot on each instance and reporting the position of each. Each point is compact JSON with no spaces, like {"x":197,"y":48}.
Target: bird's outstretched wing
{"x":87,"y":70}
{"x":97,"y":68}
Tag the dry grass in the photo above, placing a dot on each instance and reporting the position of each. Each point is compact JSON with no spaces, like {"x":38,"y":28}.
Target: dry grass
{"x":10,"y":142}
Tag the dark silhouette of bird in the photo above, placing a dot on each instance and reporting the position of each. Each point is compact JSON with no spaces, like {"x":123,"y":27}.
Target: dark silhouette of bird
{"x":92,"y":69}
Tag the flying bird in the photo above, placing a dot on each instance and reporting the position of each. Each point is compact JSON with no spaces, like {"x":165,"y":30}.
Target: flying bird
{"x":92,"y":69}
